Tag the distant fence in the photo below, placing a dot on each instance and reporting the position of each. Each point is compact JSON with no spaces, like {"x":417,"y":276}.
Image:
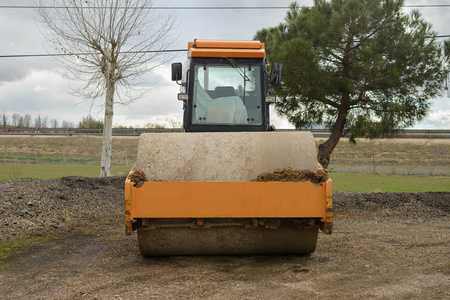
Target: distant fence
{"x":324,"y":133}
{"x":81,"y":131}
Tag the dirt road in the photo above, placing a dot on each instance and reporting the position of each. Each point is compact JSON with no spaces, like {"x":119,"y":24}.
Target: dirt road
{"x":362,"y":259}
{"x":384,"y":246}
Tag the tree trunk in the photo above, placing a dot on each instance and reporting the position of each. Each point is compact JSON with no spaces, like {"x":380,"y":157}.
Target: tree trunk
{"x":105,"y":169}
{"x":325,"y":149}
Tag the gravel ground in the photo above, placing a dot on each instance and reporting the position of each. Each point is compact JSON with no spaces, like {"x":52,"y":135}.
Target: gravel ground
{"x":31,"y":207}
{"x":383,"y":246}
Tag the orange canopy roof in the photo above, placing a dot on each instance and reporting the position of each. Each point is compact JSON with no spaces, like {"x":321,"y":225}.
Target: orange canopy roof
{"x":226,"y":48}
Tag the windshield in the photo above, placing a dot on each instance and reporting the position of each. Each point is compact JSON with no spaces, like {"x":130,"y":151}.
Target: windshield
{"x":227,"y":94}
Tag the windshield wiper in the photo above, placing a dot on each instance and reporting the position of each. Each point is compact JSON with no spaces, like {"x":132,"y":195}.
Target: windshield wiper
{"x":238,"y":69}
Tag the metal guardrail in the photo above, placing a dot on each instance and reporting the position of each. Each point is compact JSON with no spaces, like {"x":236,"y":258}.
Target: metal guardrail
{"x":405,"y":133}
{"x":81,"y":131}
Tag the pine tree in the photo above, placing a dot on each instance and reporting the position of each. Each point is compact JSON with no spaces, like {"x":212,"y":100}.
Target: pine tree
{"x":360,"y":67}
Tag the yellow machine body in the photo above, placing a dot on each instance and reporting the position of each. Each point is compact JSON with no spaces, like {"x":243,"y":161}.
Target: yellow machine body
{"x":203,"y":200}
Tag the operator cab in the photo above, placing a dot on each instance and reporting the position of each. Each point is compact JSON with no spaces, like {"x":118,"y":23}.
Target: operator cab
{"x":226,"y":93}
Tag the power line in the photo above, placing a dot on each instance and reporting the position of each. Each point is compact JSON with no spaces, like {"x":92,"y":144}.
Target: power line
{"x":427,"y":5}
{"x":157,"y":7}
{"x":88,"y":53}
{"x":202,"y":7}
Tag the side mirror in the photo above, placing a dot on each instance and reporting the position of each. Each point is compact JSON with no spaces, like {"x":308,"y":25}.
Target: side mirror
{"x":276,"y":73}
{"x":176,"y":71}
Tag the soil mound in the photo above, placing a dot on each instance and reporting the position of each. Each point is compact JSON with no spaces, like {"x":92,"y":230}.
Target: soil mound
{"x":413,"y":206}
{"x":138,"y":177}
{"x":287,"y":174}
{"x":34,"y":207}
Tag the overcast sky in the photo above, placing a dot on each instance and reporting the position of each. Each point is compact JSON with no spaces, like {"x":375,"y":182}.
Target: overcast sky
{"x":38,"y":85}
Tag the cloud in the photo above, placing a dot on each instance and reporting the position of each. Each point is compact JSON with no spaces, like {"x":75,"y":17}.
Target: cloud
{"x":38,"y":88}
{"x":278,"y":121}
{"x":159,"y":104}
{"x":436,"y":119}
{"x":440,"y":117}
{"x":20,"y":36}
{"x":40,"y":92}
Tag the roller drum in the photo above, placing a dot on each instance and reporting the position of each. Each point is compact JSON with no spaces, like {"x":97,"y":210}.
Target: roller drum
{"x":227,"y":239}
{"x":223,"y":156}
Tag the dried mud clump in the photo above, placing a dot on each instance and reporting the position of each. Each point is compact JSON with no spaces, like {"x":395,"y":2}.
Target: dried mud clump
{"x":138,"y":178}
{"x":287,"y":174}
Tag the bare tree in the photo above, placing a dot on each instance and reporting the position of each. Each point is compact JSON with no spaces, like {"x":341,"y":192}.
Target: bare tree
{"x":4,"y":120}
{"x":67,"y":124}
{"x":15,"y":119}
{"x":27,"y":120}
{"x":41,"y":121}
{"x":54,"y":123}
{"x":90,"y":122}
{"x":112,"y":44}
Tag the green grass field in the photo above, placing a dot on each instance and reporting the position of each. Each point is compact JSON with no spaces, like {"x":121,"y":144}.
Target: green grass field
{"x":353,"y":182}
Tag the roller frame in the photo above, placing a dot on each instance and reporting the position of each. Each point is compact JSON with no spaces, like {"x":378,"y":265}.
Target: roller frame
{"x":207,"y":210}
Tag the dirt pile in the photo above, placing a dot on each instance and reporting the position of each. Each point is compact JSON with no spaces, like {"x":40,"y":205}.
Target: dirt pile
{"x":412,"y":206}
{"x":33,"y":207}
{"x":138,"y":177}
{"x":287,"y":174}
